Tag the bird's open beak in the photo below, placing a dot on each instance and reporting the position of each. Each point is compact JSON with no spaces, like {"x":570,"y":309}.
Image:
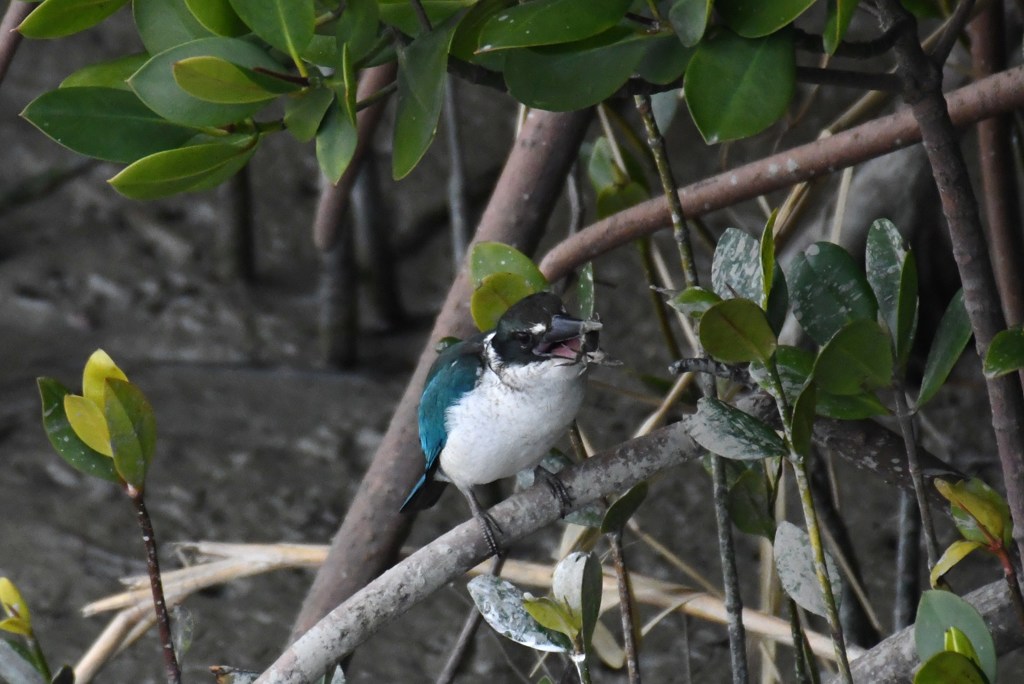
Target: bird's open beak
{"x":569,"y":337}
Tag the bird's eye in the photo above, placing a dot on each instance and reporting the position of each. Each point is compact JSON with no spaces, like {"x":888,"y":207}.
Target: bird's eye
{"x":523,"y":338}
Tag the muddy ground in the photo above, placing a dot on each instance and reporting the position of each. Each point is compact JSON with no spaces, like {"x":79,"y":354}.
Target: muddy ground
{"x":259,"y":442}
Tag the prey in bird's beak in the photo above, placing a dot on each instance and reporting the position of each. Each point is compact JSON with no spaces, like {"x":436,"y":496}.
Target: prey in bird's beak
{"x":572,"y":339}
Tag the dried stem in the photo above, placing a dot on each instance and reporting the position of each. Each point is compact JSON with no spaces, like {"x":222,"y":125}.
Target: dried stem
{"x":627,"y":607}
{"x":457,"y":211}
{"x":720,"y":490}
{"x":163,"y":617}
{"x":801,"y":664}
{"x":923,"y":92}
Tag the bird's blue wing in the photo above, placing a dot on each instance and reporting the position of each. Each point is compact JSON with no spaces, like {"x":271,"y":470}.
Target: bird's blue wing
{"x":453,"y":374}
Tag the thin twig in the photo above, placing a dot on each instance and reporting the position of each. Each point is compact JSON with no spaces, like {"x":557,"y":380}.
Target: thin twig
{"x":906,"y":423}
{"x":469,"y":628}
{"x":863,"y":80}
{"x":856,"y":50}
{"x":720,"y":490}
{"x":163,"y":618}
{"x":1002,"y":92}
{"x":626,"y":607}
{"x":457,"y":211}
{"x":421,"y":15}
{"x":10,"y":39}
{"x":908,"y":561}
{"x":956,"y":23}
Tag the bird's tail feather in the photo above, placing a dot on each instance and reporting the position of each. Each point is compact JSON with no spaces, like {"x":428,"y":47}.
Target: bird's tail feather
{"x":424,"y":494}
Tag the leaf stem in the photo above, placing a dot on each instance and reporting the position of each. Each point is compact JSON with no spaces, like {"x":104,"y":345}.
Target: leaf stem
{"x":820,"y":569}
{"x":163,"y":618}
{"x":796,"y":629}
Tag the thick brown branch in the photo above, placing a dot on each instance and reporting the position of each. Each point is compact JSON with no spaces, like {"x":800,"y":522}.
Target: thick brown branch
{"x":997,"y":94}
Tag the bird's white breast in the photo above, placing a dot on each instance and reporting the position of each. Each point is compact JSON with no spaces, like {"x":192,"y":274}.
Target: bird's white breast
{"x":511,"y":420}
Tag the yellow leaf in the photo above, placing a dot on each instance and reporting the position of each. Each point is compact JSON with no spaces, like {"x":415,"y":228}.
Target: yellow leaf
{"x":88,"y":422}
{"x":15,"y":626}
{"x":13,"y":604}
{"x":953,"y":555}
{"x":98,"y":368}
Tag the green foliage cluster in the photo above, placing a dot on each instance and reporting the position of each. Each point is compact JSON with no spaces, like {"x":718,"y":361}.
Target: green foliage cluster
{"x":191,"y":110}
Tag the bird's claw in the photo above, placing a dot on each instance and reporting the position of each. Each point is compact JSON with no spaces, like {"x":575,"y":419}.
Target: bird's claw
{"x":557,"y":488}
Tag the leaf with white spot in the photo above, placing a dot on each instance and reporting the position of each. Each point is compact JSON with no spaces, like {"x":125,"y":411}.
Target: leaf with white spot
{"x":729,"y":432}
{"x":501,"y":604}
{"x":794,"y":561}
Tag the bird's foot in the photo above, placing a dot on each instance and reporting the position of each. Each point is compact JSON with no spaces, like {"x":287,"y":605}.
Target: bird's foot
{"x":557,"y":488}
{"x":491,"y":529}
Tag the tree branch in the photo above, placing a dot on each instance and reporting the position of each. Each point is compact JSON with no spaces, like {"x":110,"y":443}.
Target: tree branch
{"x":1000,"y":93}
{"x":894,"y":659}
{"x":339,"y":633}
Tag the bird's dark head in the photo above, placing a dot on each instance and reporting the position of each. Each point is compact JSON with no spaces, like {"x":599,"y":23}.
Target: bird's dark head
{"x":538,"y":328}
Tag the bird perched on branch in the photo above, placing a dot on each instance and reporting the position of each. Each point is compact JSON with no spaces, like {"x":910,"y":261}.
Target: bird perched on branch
{"x":495,"y":404}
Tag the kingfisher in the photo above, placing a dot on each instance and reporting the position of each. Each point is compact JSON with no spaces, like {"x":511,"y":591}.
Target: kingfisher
{"x":495,"y":403}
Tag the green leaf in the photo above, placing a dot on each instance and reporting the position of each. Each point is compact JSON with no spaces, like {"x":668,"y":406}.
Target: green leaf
{"x":562,"y":78}
{"x":829,"y":290}
{"x":286,"y":24}
{"x":689,"y":19}
{"x":489,"y":258}
{"x":795,"y":366}
{"x":802,"y":425}
{"x":840,"y":12}
{"x":858,"y":358}
{"x":736,"y":331}
{"x":694,"y":301}
{"x":164,"y":24}
{"x":729,"y":432}
{"x":495,"y":294}
{"x":664,"y":62}
{"x":112,"y":73}
{"x":304,"y":112}
{"x":584,"y":290}
{"x":794,"y":561}
{"x":623,"y":508}
{"x":155,"y":85}
{"x":767,"y":257}
{"x":940,"y":610}
{"x":550,"y":22}
{"x":217,"y":17}
{"x":892,"y":274}
{"x":421,"y":75}
{"x":552,"y":615}
{"x":1005,"y":354}
{"x":736,"y":87}
{"x":350,"y":85}
{"x":467,"y":36}
{"x":70,"y":447}
{"x":17,"y":626}
{"x":979,"y":512}
{"x":336,"y":143}
{"x":501,"y":604}
{"x":956,"y":552}
{"x":576,"y":585}
{"x":212,"y":79}
{"x":357,"y":27}
{"x":16,"y":666}
{"x":756,"y":19}
{"x":948,"y":667}
{"x":57,"y":18}
{"x":949,"y":343}
{"x":132,"y":430}
{"x":604,"y":170}
{"x":82,"y":119}
{"x":401,"y":15}
{"x":736,"y":267}
{"x":614,"y":198}
{"x":98,"y":369}
{"x":748,"y":504}
{"x":186,"y":169}
{"x":957,"y":642}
